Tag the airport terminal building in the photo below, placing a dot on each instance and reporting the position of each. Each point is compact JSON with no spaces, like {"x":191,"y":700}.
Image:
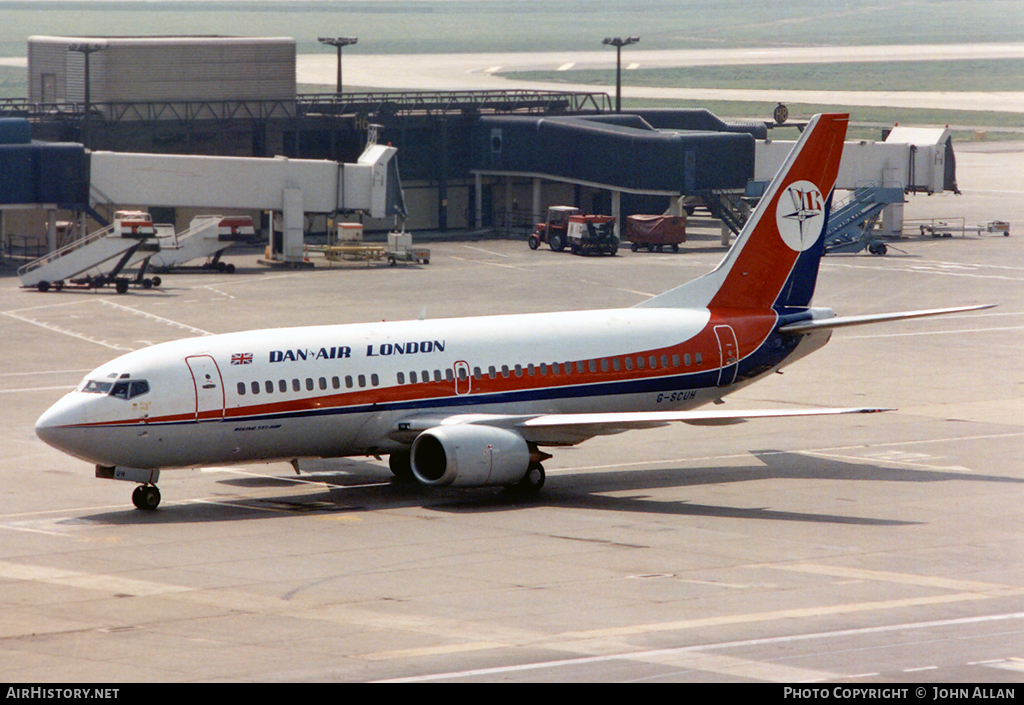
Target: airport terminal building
{"x":468,"y":160}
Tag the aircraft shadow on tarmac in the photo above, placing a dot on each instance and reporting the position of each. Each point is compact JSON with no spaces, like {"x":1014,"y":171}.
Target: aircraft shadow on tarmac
{"x":349,"y":485}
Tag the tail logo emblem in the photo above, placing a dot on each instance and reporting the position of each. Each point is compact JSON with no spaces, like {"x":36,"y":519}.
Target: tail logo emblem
{"x":800,"y":215}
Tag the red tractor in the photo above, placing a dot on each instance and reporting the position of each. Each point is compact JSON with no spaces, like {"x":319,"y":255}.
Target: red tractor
{"x":555,"y":230}
{"x":583,"y":234}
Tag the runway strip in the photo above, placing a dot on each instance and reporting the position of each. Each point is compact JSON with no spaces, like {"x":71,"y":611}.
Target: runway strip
{"x":441,"y":72}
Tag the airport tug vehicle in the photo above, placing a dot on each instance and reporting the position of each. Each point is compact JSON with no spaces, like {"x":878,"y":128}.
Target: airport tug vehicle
{"x":566,"y":226}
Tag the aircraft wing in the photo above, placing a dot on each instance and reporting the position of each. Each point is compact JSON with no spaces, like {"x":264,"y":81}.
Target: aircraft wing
{"x":561,"y":428}
{"x":844,"y":321}
{"x":570,"y":429}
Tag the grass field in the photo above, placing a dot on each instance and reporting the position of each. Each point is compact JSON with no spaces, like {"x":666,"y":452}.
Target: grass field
{"x":971,"y":75}
{"x":968,"y":75}
{"x":411,"y":26}
{"x":452,"y":26}
{"x":12,"y":82}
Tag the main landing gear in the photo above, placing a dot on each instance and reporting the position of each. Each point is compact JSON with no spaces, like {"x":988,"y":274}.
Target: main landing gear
{"x":146,"y":497}
{"x":532,"y":482}
{"x":401,"y":466}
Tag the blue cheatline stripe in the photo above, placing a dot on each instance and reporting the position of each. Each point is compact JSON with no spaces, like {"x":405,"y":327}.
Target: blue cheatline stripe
{"x":692,"y":381}
{"x":770,"y":353}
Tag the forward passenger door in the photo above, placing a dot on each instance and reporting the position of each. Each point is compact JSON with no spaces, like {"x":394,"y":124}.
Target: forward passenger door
{"x":209,"y":387}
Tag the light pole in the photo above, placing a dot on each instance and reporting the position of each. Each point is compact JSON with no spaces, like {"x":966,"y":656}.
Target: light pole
{"x":86,"y":49}
{"x":618,"y":43}
{"x":339,"y":42}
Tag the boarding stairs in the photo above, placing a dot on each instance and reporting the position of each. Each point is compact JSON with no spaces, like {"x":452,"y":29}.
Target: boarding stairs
{"x":202,"y":239}
{"x":101,"y":255}
{"x":97,"y":201}
{"x":851,"y":224}
{"x":732,"y":208}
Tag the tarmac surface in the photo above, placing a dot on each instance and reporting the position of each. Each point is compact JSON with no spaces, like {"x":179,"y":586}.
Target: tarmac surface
{"x":886,"y":548}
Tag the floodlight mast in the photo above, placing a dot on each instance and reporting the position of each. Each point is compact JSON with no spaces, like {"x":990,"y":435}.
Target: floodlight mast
{"x":618,"y":43}
{"x":338,"y":42}
{"x":86,"y":49}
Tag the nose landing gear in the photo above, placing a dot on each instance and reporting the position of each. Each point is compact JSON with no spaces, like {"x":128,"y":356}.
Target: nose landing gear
{"x":146,"y":497}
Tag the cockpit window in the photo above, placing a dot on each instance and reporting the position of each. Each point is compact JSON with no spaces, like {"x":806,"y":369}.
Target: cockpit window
{"x":138,"y":388}
{"x":122,"y":389}
{"x":94,"y":386}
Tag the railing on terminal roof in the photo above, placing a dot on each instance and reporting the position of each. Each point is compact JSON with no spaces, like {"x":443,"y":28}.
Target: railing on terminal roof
{"x":316,"y":105}
{"x":183,"y":112}
{"x":386,"y":104}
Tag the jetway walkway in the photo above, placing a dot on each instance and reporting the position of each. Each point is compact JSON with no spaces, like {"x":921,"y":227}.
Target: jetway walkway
{"x":293,"y":187}
{"x":690,"y":155}
{"x":919,"y":159}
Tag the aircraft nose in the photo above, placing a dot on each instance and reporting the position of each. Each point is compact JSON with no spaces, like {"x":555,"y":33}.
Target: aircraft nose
{"x":56,"y":427}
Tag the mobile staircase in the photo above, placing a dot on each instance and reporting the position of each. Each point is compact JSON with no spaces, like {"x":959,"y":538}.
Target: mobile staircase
{"x":207,"y":236}
{"x":730,"y":207}
{"x":99,"y":258}
{"x":851,"y":224}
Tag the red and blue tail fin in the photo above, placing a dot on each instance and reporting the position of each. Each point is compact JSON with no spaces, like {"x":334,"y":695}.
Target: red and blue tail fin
{"x":774,"y":261}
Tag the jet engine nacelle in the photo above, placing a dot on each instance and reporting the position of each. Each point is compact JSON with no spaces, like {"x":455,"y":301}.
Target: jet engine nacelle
{"x":466,"y":455}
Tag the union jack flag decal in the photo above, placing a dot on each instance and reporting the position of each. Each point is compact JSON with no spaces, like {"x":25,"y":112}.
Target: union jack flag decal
{"x":241,"y":359}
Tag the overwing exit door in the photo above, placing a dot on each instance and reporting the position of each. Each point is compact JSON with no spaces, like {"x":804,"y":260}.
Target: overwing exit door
{"x":463,"y":380}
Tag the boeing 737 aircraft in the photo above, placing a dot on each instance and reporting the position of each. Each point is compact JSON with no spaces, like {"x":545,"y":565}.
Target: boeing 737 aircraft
{"x":469,"y":402}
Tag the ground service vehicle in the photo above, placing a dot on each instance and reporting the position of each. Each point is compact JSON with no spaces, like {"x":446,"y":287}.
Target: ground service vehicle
{"x":592,"y":234}
{"x":655,"y":232}
{"x":556,"y":229}
{"x":553,"y":230}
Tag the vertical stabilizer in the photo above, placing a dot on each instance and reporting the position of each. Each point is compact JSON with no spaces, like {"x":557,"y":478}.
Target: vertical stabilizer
{"x":774,"y":261}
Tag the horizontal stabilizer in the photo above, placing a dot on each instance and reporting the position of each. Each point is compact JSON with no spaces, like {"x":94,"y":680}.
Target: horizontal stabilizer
{"x":845,"y":321}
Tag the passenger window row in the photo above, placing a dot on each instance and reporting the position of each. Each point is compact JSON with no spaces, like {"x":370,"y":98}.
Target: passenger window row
{"x":426,"y":376}
{"x":309,"y":385}
{"x":543,"y":369}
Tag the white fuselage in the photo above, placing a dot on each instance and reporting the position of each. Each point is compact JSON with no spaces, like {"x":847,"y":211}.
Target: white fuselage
{"x":408,"y":388}
{"x":328,"y":391}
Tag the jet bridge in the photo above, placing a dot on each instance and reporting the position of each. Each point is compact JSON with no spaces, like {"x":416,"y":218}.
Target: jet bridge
{"x":292,"y":187}
{"x":915,"y":159}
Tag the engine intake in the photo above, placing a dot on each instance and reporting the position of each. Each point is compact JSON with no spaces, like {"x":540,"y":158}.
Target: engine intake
{"x":467,"y":455}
